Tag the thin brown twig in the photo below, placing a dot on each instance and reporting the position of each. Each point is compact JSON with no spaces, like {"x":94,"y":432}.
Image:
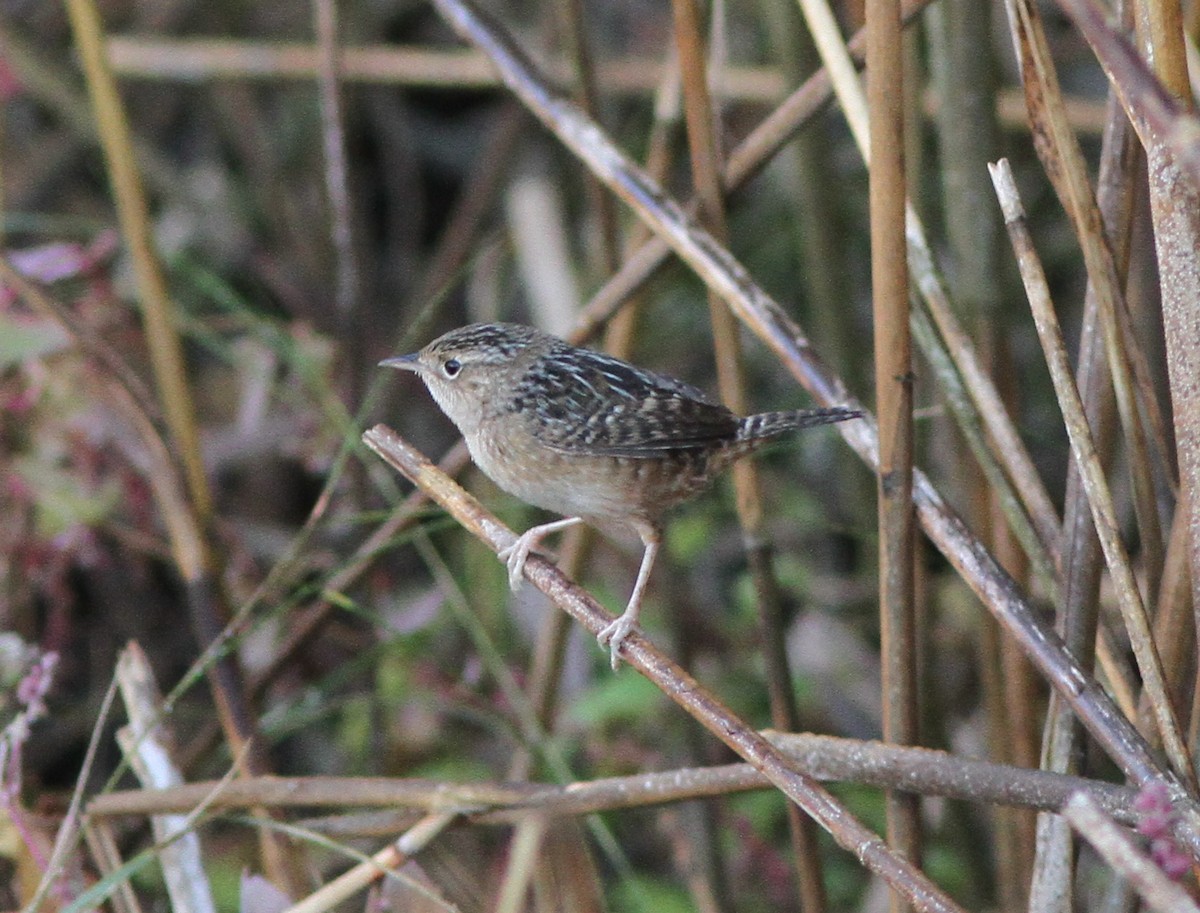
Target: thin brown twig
{"x":1078,"y":615}
{"x":894,"y":406}
{"x":827,"y":758}
{"x":392,"y":856}
{"x":702,"y":121}
{"x":640,"y":653}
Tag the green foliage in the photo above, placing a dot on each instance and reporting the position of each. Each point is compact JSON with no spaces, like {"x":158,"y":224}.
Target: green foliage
{"x":642,"y":894}
{"x":22,"y":339}
{"x":625,"y":698}
{"x":62,"y":498}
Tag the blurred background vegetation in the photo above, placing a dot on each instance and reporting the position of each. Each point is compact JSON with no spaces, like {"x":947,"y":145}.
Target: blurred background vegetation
{"x":311,"y":211}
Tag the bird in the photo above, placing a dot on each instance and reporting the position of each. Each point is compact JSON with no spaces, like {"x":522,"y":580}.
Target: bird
{"x":587,"y":436}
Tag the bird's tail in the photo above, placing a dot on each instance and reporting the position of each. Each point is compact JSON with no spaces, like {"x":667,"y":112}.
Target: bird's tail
{"x":767,"y":425}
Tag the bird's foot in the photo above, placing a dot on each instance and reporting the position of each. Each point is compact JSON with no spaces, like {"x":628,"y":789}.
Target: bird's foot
{"x":515,"y":556}
{"x":613,"y":636}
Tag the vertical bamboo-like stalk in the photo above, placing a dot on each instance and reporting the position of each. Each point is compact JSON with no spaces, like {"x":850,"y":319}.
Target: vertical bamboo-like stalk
{"x":893,"y":396}
{"x":1062,"y":740}
{"x":166,"y":356}
{"x":808,"y":183}
{"x":705,"y":153}
{"x":983,"y":407}
{"x":1175,"y":209}
{"x":199,"y":566}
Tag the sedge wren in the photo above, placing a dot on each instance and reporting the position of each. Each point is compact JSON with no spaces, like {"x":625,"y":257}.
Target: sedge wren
{"x":586,"y":435}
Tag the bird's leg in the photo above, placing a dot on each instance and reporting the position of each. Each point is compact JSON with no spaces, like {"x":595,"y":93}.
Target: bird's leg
{"x":516,"y":554}
{"x":615,"y":633}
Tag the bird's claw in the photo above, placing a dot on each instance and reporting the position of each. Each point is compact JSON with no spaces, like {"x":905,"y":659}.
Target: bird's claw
{"x":613,"y":636}
{"x":515,"y":556}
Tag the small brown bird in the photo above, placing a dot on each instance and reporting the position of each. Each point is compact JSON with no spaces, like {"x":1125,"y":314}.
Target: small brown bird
{"x":586,"y":435}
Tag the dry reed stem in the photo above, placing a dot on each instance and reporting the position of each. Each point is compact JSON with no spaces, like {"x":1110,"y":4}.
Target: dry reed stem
{"x":670,"y":678}
{"x":1175,"y":210}
{"x":161,"y":337}
{"x":766,"y":319}
{"x":1078,"y":617}
{"x":202,"y":579}
{"x":1007,"y":447}
{"x":1174,"y":625}
{"x":1160,"y":120}
{"x":146,"y":743}
{"x":702,"y":120}
{"x":155,"y":57}
{"x":894,"y":406}
{"x":364,"y":874}
{"x":1064,"y":164}
{"x":523,"y":850}
{"x":1162,"y":32}
{"x":827,"y":758}
{"x":1091,"y":472}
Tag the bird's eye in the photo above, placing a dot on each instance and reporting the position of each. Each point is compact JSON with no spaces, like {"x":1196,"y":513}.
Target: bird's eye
{"x":451,"y":367}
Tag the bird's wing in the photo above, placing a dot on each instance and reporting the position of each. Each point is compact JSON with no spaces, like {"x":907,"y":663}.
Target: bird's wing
{"x":590,"y":403}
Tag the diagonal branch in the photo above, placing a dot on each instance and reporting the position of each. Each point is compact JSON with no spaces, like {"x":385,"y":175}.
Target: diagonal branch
{"x":686,"y":691}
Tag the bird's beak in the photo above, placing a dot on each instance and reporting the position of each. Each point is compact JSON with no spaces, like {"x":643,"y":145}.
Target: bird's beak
{"x":403,"y":362}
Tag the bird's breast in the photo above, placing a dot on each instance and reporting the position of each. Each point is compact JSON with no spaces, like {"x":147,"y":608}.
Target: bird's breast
{"x":580,"y":484}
